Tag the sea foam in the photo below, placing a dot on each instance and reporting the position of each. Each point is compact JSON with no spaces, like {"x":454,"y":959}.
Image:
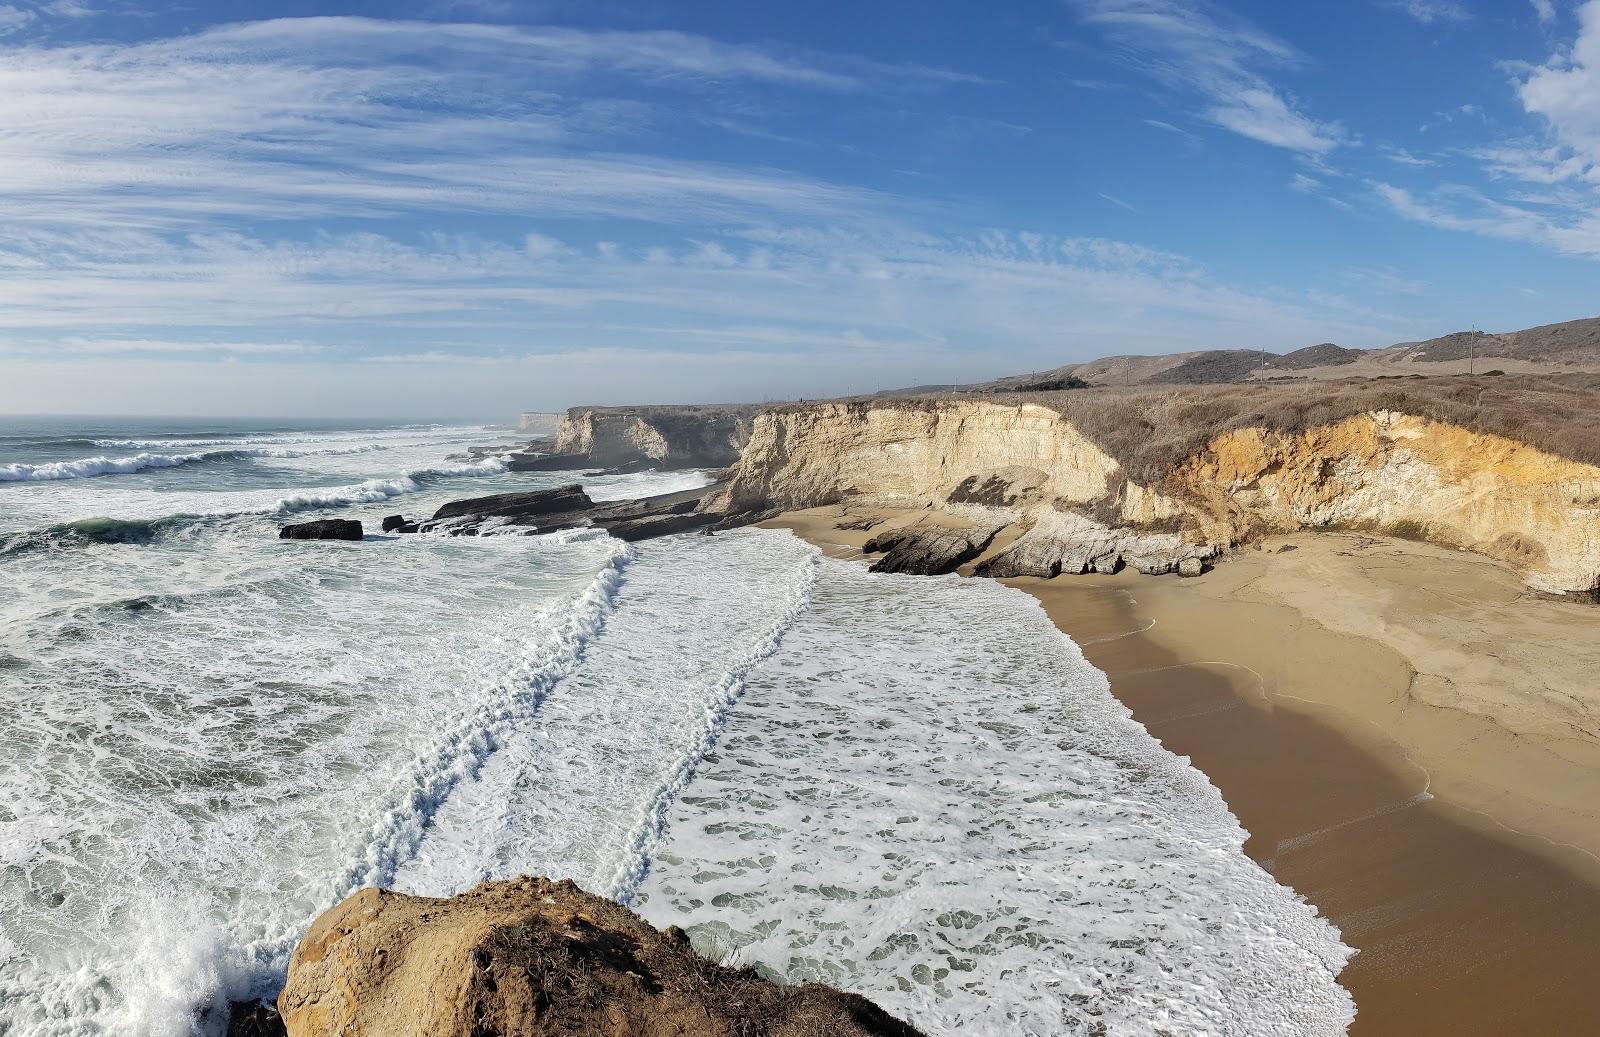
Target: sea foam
{"x":89,"y":467}
{"x":927,"y":795}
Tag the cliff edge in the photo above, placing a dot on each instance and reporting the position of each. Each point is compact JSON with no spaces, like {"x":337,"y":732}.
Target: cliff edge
{"x":664,"y":437}
{"x":1167,"y":482}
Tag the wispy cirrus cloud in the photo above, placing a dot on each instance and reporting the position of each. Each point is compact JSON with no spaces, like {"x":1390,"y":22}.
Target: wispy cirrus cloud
{"x":1429,"y":12}
{"x":1196,"y":49}
{"x":317,"y":117}
{"x":770,"y":289}
{"x":1456,"y":207}
{"x":1554,"y":173}
{"x":271,"y":195}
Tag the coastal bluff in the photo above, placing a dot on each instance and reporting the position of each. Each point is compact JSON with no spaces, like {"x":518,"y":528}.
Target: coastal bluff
{"x":1171,"y":481}
{"x":529,"y":957}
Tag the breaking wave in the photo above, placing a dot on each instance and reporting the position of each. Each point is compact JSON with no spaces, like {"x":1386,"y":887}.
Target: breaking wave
{"x":96,"y":530}
{"x":90,"y":467}
{"x":373,"y":490}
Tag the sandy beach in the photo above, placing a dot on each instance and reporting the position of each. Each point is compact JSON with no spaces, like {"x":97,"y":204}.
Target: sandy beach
{"x":1406,"y":732}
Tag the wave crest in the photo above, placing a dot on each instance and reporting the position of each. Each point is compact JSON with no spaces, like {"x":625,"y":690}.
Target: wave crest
{"x":89,"y":467}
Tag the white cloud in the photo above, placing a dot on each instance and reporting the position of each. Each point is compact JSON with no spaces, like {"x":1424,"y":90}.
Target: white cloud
{"x":1118,"y":202}
{"x":351,"y":117}
{"x":1429,"y":11}
{"x":1305,"y":184}
{"x":1460,"y":208}
{"x":1554,"y":197}
{"x":1545,"y":10}
{"x":1401,"y":156}
{"x":1195,"y":50}
{"x":13,"y":18}
{"x":162,"y":201}
{"x":1565,"y":93}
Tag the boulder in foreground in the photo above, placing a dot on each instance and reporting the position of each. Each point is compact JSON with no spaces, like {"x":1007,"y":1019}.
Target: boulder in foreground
{"x":322,"y":529}
{"x":532,"y":957}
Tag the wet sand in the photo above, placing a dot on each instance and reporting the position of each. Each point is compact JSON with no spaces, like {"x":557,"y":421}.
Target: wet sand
{"x":1455,"y":854}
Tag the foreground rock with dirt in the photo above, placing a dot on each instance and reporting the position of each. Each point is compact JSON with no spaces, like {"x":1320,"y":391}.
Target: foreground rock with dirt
{"x":532,"y":957}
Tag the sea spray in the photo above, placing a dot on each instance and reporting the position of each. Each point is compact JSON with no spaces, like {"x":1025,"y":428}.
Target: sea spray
{"x":89,"y":467}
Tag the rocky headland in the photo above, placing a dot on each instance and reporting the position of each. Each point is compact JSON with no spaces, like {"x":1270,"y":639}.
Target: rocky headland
{"x":639,"y":438}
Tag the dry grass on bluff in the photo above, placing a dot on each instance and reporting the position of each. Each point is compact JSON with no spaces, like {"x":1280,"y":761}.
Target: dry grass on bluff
{"x":1149,"y":429}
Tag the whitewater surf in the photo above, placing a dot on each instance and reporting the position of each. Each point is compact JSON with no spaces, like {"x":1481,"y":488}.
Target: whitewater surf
{"x":916,"y":789}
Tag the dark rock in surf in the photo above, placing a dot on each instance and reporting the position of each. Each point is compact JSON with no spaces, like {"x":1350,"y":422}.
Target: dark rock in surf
{"x":652,"y":526}
{"x":548,"y":462}
{"x":393,"y":523}
{"x":516,"y":505}
{"x":254,"y":1019}
{"x":322,"y":529}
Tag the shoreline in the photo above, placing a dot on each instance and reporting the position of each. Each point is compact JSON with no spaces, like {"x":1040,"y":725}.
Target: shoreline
{"x":1458,"y":853}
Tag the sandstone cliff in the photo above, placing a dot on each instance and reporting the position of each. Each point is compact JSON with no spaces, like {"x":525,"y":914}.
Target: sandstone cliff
{"x":531,"y":957}
{"x":669,"y":437}
{"x":1079,"y":508}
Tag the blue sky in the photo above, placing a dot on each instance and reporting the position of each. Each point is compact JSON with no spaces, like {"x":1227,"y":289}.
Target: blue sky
{"x":480,"y":206}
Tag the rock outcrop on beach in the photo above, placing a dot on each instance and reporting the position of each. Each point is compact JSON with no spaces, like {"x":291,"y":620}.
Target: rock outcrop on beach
{"x":322,"y":529}
{"x":529,"y":957}
{"x":1093,"y":481}
{"x":930,"y":548}
{"x":1065,"y":543}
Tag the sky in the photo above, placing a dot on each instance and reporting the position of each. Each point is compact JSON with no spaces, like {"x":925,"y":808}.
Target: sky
{"x":476,"y":207}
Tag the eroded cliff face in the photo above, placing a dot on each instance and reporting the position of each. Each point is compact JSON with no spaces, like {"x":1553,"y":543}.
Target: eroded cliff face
{"x":958,"y":452}
{"x":1391,"y":473}
{"x":671,"y":437}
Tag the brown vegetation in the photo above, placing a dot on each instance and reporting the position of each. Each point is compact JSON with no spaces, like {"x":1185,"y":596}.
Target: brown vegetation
{"x":1148,"y":430}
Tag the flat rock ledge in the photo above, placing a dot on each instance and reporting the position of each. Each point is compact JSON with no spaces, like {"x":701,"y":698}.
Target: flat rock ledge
{"x":1064,"y":543}
{"x":531,"y":957}
{"x":569,"y":507}
{"x":929,"y":548}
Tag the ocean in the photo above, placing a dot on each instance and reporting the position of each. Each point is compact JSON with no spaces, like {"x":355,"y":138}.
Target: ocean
{"x":914,"y":788}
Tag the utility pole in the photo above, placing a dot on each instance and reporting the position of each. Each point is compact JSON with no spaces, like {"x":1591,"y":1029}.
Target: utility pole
{"x":1472,"y":364}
